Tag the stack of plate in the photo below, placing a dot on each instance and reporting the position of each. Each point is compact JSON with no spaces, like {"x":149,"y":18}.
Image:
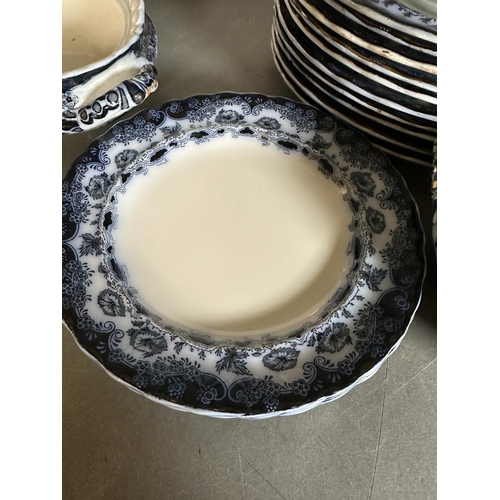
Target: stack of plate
{"x":371,"y":63}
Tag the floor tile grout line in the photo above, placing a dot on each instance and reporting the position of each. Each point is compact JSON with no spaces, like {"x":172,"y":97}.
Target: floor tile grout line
{"x":265,"y":479}
{"x":412,"y":378}
{"x":241,"y":471}
{"x":379,"y":434}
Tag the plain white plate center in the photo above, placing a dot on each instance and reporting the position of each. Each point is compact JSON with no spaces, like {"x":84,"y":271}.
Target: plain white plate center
{"x":234,"y":236}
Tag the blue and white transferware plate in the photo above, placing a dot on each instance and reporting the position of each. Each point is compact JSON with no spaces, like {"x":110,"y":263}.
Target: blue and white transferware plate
{"x":434,"y":189}
{"x":338,"y":23}
{"x":415,"y":17}
{"x":388,"y":136}
{"x":238,"y":255}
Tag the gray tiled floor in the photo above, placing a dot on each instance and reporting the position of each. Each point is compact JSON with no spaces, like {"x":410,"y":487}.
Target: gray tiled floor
{"x":378,"y":442}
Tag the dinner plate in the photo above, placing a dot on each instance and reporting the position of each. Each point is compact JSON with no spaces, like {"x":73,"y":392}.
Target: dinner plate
{"x":434,"y":188}
{"x":390,"y":148}
{"x":370,"y":58}
{"x":355,"y":95}
{"x":315,"y":49}
{"x":339,"y":22}
{"x":347,"y":96}
{"x":360,"y":119}
{"x":402,"y":145}
{"x":395,"y":15}
{"x":424,"y":7}
{"x":238,"y":255}
{"x":376,"y":27}
{"x":416,"y":90}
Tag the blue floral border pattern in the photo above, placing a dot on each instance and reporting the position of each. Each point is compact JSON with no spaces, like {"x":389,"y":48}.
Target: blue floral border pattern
{"x":402,"y":13}
{"x":317,"y":364}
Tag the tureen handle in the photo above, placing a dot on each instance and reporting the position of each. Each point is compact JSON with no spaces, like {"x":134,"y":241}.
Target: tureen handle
{"x":113,"y":103}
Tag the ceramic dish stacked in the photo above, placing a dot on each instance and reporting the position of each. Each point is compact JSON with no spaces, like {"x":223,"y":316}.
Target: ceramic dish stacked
{"x":372,"y":64}
{"x":434,"y":189}
{"x":238,"y":255}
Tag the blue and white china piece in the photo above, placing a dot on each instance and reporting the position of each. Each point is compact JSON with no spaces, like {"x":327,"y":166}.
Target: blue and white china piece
{"x":345,"y":8}
{"x":376,"y":61}
{"x":420,"y":101}
{"x":343,"y":90}
{"x":346,"y":92}
{"x":413,"y":17}
{"x":434,"y":189}
{"x":274,"y":369}
{"x":338,"y":21}
{"x":381,"y":81}
{"x":386,"y":135}
{"x":390,"y":126}
{"x":109,"y":49}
